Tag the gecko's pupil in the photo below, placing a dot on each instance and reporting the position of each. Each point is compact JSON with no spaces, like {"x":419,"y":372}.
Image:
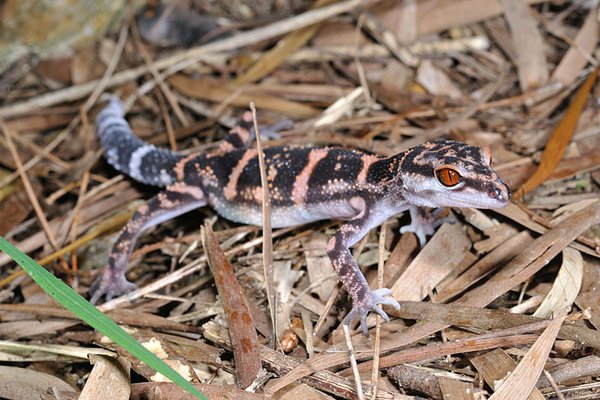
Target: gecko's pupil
{"x":448,"y":176}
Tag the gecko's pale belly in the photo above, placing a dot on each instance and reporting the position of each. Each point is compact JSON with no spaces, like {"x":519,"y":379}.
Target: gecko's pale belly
{"x":284,"y":216}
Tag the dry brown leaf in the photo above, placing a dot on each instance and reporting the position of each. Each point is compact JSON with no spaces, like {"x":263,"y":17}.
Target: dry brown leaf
{"x":244,"y":339}
{"x":284,"y":48}
{"x":15,"y":207}
{"x":209,"y":89}
{"x":27,"y":384}
{"x":487,"y":319}
{"x":453,"y":389}
{"x":497,"y":257}
{"x":523,"y":379}
{"x":560,"y":137}
{"x":284,"y":278}
{"x":170,"y":391}
{"x":574,"y":59}
{"x":439,"y":257}
{"x":495,"y":365}
{"x":434,"y":16}
{"x":424,"y":353}
{"x":436,"y":81}
{"x":590,"y":292}
{"x":319,"y":267}
{"x":300,"y":391}
{"x":56,"y":68}
{"x":110,"y":377}
{"x":566,"y":286}
{"x":527,"y":44}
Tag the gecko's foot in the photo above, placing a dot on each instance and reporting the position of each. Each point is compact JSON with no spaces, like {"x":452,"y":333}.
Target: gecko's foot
{"x":110,"y":285}
{"x":424,"y":223}
{"x":370,"y":302}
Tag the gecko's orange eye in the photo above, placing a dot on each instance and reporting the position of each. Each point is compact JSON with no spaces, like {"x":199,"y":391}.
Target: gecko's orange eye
{"x":447,"y":176}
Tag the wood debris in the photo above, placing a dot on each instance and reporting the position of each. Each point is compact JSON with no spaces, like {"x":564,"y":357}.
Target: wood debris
{"x":484,"y":302}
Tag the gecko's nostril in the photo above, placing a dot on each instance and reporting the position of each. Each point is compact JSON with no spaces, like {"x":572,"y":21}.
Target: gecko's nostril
{"x":495,"y":193}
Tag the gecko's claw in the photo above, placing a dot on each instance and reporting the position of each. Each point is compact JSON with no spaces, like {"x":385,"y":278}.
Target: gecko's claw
{"x":110,"y":285}
{"x":370,"y":302}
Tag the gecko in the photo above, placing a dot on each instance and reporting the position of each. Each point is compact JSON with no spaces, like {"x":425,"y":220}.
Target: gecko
{"x":305,"y":184}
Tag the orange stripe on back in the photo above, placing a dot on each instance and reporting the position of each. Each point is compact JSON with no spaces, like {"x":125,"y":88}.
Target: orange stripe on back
{"x":367,"y":160}
{"x":300,"y":188}
{"x":230,"y":191}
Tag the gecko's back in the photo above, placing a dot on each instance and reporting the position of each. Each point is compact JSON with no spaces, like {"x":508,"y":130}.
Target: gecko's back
{"x":305,"y":183}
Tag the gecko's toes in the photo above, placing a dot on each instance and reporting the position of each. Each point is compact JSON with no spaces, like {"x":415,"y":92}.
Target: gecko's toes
{"x":109,"y":286}
{"x":370,"y":302}
{"x":424,"y":226}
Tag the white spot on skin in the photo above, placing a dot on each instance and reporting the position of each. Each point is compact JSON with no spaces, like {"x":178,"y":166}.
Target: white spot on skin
{"x":335,"y":186}
{"x":165,"y":178}
{"x":112,"y":155}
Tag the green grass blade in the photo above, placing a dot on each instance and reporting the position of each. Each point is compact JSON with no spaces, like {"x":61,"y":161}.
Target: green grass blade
{"x":73,"y":302}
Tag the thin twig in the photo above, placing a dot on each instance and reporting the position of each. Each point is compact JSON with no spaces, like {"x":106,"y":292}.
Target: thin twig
{"x":377,"y":345}
{"x":158,"y":79}
{"x":168,"y":122}
{"x":353,"y":365}
{"x":85,"y":180}
{"x":28,"y":188}
{"x":362,"y":76}
{"x":552,"y":382}
{"x":267,"y":231}
{"x":110,"y":69}
{"x":43,"y":154}
{"x":40,"y":152}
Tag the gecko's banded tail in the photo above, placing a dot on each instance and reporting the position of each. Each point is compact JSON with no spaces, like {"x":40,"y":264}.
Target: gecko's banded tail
{"x":129,"y":154}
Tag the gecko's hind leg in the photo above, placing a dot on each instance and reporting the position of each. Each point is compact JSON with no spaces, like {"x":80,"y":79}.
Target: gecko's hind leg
{"x":177,"y":199}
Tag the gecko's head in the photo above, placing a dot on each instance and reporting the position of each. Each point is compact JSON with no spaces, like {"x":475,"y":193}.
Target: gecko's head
{"x":446,"y":173}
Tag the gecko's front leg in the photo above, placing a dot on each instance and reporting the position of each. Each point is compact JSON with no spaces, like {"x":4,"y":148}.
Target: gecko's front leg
{"x":364,"y":299}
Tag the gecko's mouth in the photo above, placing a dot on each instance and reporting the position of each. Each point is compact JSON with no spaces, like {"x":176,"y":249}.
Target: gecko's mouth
{"x":497,"y":197}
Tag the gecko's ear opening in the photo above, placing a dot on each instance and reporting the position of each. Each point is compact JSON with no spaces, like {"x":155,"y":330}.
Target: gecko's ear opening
{"x":486,"y":154}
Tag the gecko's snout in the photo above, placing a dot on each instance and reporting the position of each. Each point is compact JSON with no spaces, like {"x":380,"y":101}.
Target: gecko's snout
{"x":501,"y":193}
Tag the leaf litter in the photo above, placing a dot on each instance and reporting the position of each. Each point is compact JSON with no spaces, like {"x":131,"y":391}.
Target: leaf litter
{"x":516,"y":76}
